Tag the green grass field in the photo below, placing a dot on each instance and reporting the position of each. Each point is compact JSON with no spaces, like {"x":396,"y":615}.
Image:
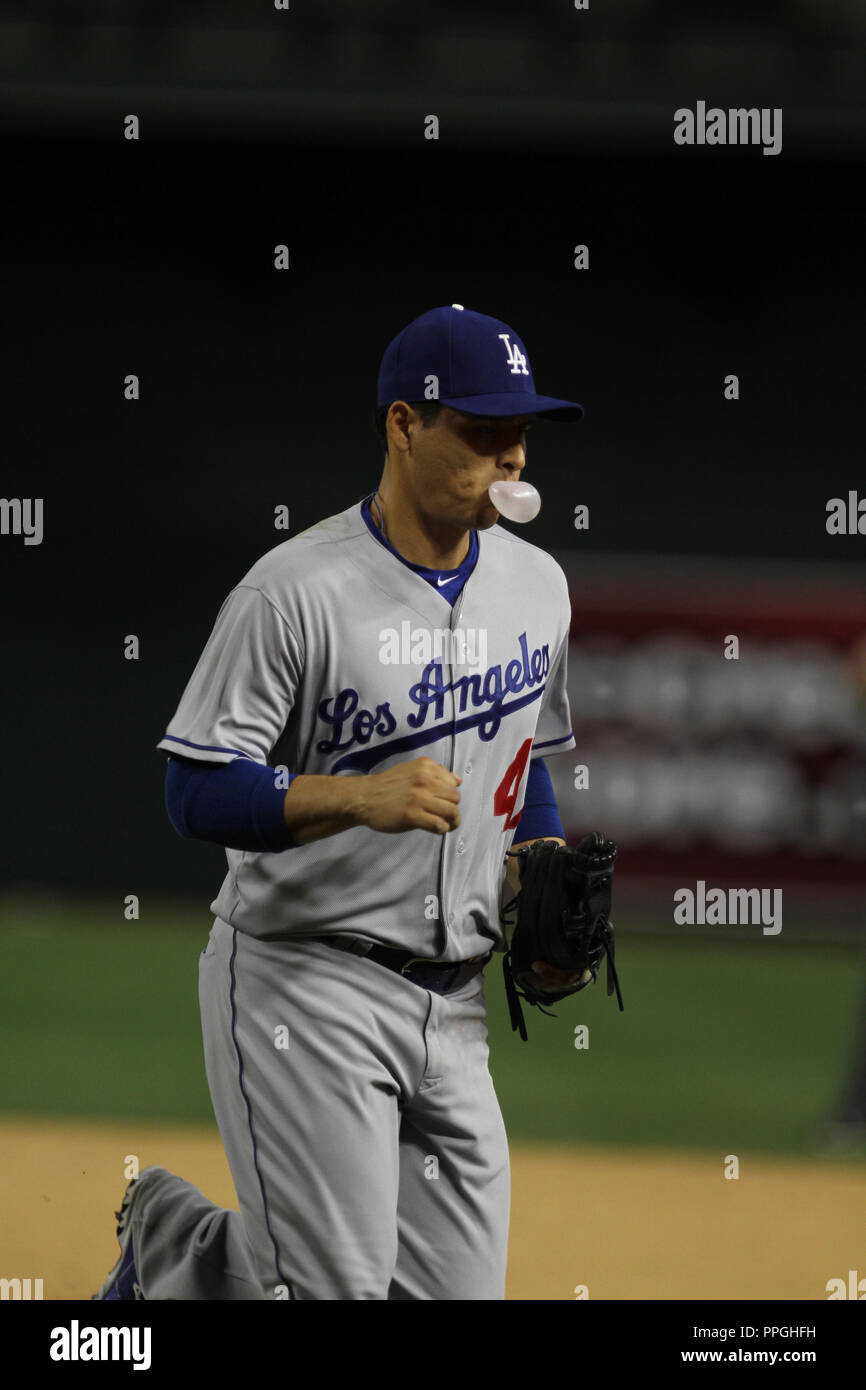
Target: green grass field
{"x":729,"y":1047}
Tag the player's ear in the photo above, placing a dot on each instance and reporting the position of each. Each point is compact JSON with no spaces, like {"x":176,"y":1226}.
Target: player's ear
{"x":397,"y":423}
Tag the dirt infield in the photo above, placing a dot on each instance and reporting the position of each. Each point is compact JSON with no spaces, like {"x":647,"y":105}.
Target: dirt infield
{"x":626,"y":1224}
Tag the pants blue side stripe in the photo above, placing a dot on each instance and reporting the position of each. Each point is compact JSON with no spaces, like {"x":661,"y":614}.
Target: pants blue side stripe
{"x":280,"y":1276}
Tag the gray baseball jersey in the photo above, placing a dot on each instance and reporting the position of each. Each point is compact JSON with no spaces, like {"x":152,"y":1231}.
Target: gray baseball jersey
{"x":356,"y":1108}
{"x":333,"y":657}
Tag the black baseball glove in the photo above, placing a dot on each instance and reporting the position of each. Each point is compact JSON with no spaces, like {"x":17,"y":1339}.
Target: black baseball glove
{"x":563,"y":919}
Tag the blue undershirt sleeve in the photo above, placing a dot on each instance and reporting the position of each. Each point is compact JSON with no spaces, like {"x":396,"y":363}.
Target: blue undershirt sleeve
{"x":540,"y":817}
{"x":236,"y":805}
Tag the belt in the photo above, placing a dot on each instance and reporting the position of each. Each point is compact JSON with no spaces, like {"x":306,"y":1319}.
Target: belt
{"x":440,"y":977}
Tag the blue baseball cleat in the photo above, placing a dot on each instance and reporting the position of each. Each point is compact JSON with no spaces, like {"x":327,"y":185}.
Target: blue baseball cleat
{"x":122,"y":1282}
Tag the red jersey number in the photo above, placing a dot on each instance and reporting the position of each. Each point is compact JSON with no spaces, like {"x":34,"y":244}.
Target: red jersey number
{"x":505,"y":796}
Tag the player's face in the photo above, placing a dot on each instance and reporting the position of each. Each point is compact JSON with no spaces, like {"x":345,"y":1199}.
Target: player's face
{"x":459,"y":456}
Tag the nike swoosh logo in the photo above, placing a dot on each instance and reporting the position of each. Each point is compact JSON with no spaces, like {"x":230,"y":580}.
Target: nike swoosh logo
{"x":442,"y":582}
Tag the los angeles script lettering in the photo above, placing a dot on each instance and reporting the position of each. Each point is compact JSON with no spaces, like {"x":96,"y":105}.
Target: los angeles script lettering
{"x":344,"y":716}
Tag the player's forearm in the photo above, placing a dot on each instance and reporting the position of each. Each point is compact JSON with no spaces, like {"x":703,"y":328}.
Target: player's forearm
{"x":316,"y":807}
{"x":539,"y":819}
{"x":415,"y":795}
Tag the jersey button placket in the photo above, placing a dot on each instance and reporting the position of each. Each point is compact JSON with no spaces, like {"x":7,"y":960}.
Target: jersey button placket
{"x":450,"y":917}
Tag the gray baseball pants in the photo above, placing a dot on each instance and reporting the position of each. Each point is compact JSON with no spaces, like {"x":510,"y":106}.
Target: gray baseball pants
{"x":361,"y":1127}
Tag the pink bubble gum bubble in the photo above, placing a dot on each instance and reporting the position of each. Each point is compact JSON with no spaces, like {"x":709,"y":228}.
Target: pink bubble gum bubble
{"x":516,"y":501}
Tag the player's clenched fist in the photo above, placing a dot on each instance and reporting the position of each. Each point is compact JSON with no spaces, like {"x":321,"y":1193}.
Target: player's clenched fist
{"x":418,"y":795}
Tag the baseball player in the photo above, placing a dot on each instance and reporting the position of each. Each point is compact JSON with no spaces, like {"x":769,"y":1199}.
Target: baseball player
{"x":365,"y":733}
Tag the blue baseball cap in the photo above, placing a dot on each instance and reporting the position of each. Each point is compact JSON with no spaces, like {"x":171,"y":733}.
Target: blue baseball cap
{"x":475,"y":363}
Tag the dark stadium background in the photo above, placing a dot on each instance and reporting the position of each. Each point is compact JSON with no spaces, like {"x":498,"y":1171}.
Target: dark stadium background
{"x":257,"y":388}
